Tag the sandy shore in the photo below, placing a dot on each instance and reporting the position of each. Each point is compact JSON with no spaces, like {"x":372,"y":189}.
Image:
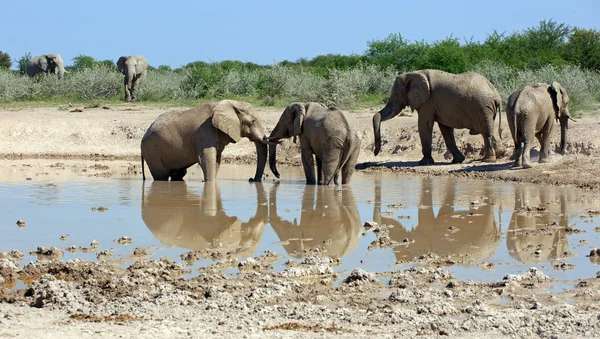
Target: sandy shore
{"x":141,"y":298}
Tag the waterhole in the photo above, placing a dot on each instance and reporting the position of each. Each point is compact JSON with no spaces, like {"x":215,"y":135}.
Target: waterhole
{"x":479,"y":230}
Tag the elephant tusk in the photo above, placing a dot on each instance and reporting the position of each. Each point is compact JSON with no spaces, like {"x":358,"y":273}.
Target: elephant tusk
{"x":572,"y":119}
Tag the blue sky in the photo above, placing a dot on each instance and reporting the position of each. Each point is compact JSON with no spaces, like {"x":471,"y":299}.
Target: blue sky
{"x":176,"y":32}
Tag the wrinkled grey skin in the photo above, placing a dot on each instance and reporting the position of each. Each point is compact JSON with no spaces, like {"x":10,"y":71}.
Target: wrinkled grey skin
{"x":531,"y":112}
{"x":46,"y":64}
{"x":466,"y":100}
{"x":331,"y":135}
{"x":178,"y":140}
{"x":177,"y":216}
{"x":134,"y":69}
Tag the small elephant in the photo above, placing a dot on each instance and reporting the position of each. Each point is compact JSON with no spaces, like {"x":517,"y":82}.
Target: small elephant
{"x":330,"y":222}
{"x":47,"y":63}
{"x":134,"y":71}
{"x":177,"y":140}
{"x":466,"y":100}
{"x":530,"y":112}
{"x":330,"y":134}
{"x":178,"y":216}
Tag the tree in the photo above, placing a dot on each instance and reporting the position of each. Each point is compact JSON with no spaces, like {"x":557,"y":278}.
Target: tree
{"x":22,"y":62}
{"x":81,"y":62}
{"x":583,"y":48}
{"x":5,"y":61}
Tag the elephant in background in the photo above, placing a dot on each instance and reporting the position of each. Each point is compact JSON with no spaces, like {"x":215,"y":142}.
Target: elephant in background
{"x":179,"y":217}
{"x":134,"y":70}
{"x":331,"y":221}
{"x":476,"y":235}
{"x":466,"y":100}
{"x":329,"y":134}
{"x":531,"y":236}
{"x":178,"y":140}
{"x":47,"y":63}
{"x":530,"y":112}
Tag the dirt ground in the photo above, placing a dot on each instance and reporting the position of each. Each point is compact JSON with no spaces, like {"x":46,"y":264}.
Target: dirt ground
{"x":141,"y":298}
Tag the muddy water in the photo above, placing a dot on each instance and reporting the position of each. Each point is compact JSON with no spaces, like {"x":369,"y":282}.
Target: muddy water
{"x":481,"y":230}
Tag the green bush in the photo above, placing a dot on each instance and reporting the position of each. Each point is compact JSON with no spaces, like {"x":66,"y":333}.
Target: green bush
{"x":5,"y":61}
{"x":162,"y":86}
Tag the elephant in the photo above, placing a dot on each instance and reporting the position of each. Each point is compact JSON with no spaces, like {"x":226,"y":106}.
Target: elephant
{"x":179,"y":217}
{"x":177,"y":140}
{"x":134,"y":70}
{"x":466,"y":100}
{"x":329,"y":134}
{"x":331,"y":221}
{"x":475,"y":234}
{"x":47,"y":63}
{"x":531,"y":111}
{"x":532,"y":237}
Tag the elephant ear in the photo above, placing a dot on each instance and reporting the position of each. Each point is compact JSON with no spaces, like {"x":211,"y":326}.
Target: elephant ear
{"x":43,"y":63}
{"x":121,"y":64}
{"x":141,"y":65}
{"x":298,"y":113}
{"x":556,"y":94}
{"x":226,"y":120}
{"x":417,"y":89}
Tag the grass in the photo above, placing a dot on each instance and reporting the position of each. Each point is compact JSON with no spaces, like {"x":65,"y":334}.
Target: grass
{"x":364,"y":86}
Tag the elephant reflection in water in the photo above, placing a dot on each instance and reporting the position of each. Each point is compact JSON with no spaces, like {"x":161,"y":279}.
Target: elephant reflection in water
{"x":532,"y":237}
{"x":332,"y":222}
{"x":178,"y":217}
{"x":474,"y":235}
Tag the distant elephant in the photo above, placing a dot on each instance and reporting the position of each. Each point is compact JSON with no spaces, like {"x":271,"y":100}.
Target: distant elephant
{"x":134,"y":69}
{"x":531,"y":237}
{"x":474,"y":233}
{"x":178,"y":140}
{"x":331,"y":222}
{"x":47,"y":63}
{"x":179,"y":217}
{"x":329,"y":134}
{"x":466,"y":100}
{"x":530,"y":112}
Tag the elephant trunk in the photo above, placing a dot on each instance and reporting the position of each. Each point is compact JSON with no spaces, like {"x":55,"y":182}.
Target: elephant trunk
{"x":261,"y":155}
{"x":564,"y":126}
{"x":377,"y":132}
{"x":60,"y":72}
{"x":273,"y":159}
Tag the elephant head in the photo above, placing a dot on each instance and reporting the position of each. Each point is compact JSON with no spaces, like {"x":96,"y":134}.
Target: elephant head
{"x":129,"y":66}
{"x":179,"y":217}
{"x":289,"y":125}
{"x":560,"y":102}
{"x":47,"y":63}
{"x":238,"y":119}
{"x":409,"y":89}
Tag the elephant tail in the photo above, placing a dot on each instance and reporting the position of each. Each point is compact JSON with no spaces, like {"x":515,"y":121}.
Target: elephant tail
{"x":143,"y":172}
{"x":499,"y":112}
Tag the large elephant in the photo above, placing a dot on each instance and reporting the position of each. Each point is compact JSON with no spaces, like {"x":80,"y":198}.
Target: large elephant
{"x":178,"y":140}
{"x":466,"y":100}
{"x":532,"y":237}
{"x":530,"y":112}
{"x":331,"y":222}
{"x":47,"y":63}
{"x":475,"y":234}
{"x":134,"y":70}
{"x":179,"y":217}
{"x":329,"y":134}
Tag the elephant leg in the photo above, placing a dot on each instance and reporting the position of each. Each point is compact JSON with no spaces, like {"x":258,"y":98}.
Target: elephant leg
{"x":208,"y":162}
{"x":544,"y":138}
{"x":448,"y":134}
{"x":425,"y":133}
{"x":219,"y":152}
{"x":526,"y":150}
{"x":518,"y":150}
{"x":134,"y":87}
{"x":308,"y":163}
{"x":489,"y":154}
{"x":329,"y":172}
{"x":319,"y":171}
{"x":348,"y":168}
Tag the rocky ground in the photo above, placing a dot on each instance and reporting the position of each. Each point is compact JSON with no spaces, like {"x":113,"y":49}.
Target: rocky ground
{"x":141,"y":298}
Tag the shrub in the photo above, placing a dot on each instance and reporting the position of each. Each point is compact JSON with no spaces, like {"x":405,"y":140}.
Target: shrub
{"x":22,"y":62}
{"x":162,"y":86}
{"x":5,"y":61}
